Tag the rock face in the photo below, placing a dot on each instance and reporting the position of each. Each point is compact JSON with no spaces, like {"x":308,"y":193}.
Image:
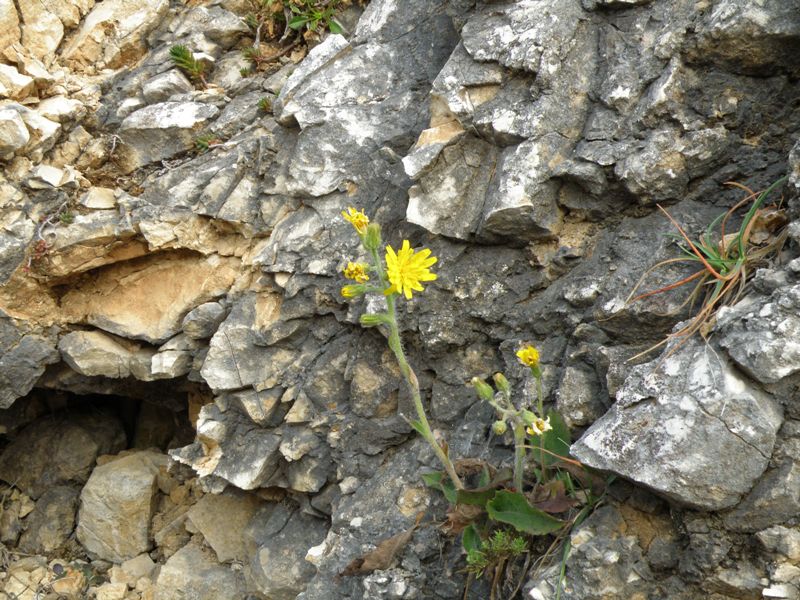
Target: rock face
{"x":526,"y":144}
{"x":668,"y":432}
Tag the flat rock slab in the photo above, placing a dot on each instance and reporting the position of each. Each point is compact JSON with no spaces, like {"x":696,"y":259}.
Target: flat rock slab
{"x":193,"y":573}
{"x":689,"y":428}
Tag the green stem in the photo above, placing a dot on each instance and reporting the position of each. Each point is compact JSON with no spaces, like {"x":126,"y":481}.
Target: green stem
{"x":540,"y":394}
{"x":519,"y":454}
{"x":411,"y":379}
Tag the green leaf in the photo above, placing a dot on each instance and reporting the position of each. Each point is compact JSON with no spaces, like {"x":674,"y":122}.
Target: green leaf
{"x":485,"y":477}
{"x":440,"y":481}
{"x":418,"y":427}
{"x":298,"y":21}
{"x":513,"y":508}
{"x":471,"y":539}
{"x":474,"y":498}
{"x":557,"y":440}
{"x":335,"y":27}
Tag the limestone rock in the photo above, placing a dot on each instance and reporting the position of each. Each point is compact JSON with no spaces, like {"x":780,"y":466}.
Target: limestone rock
{"x":77,"y":440}
{"x":691,"y":429}
{"x":279,"y":539}
{"x":42,"y":30}
{"x":174,"y":358}
{"x":202,"y":322}
{"x":117,"y":505}
{"x":230,"y":447}
{"x":113,"y":34}
{"x":51,"y":523}
{"x":219,"y":25}
{"x":157,"y":294}
{"x":23,"y":357}
{"x":14,"y":134}
{"x":61,"y":109}
{"x":94,"y":353}
{"x":761,"y":334}
{"x":14,"y":84}
{"x":221,"y":519}
{"x":163,"y":130}
{"x":161,"y":87}
{"x":774,"y":500}
{"x":98,"y":198}
{"x":9,"y":24}
{"x":193,"y":573}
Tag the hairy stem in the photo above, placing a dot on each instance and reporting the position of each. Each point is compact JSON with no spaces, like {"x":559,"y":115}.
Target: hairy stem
{"x":519,"y":454}
{"x":411,"y":379}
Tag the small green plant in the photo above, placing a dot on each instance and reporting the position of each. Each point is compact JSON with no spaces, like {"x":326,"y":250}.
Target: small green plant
{"x":311,"y":14}
{"x":183,"y":58}
{"x":205,"y":142}
{"x":492,"y":552}
{"x":726,"y":261}
{"x":265,"y":105}
{"x":66,"y":217}
{"x":560,"y":493}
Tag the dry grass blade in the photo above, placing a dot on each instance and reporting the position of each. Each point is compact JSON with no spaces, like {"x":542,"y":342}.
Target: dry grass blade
{"x":727,"y":264}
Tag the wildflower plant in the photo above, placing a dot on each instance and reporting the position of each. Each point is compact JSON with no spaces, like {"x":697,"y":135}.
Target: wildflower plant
{"x":562,"y":486}
{"x":396,"y":274}
{"x":184,"y":59}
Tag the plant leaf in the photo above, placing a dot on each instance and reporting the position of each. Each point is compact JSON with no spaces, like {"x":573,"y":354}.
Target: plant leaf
{"x":513,"y":508}
{"x":471,"y":539}
{"x":335,"y":27}
{"x":298,"y":21}
{"x":474,"y":497}
{"x":440,"y":481}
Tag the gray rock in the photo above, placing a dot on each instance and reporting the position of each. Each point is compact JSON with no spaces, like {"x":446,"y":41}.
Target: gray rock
{"x":761,"y":334}
{"x":193,"y":573}
{"x":689,"y":427}
{"x":221,"y":26}
{"x":245,"y":456}
{"x":279,"y":539}
{"x":200,"y":323}
{"x":174,"y":358}
{"x":77,"y":440}
{"x":774,"y":500}
{"x":51,"y":523}
{"x":163,"y":130}
{"x":580,"y":398}
{"x":767,"y":27}
{"x":23,"y":357}
{"x":162,"y":87}
{"x":782,"y":540}
{"x":117,"y":506}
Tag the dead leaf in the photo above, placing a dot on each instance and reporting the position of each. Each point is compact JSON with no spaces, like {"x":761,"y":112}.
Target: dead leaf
{"x":552,"y":498}
{"x":460,"y":517}
{"x":384,"y":554}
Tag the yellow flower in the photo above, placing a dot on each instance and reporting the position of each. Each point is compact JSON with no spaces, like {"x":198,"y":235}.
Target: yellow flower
{"x":539,"y":426}
{"x":351,"y":291}
{"x":357,"y":272}
{"x":529,"y":356}
{"x":406,"y":269}
{"x":357,"y":219}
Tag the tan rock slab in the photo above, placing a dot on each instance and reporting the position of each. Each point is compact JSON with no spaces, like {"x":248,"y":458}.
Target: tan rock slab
{"x":147,"y":298}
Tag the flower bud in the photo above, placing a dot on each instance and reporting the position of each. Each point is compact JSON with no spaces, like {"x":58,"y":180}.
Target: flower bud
{"x":484,"y":390}
{"x":351,"y":291}
{"x":528,"y":417}
{"x":499,"y":427}
{"x":502,"y":383}
{"x":372,"y":320}
{"x":372,"y":237}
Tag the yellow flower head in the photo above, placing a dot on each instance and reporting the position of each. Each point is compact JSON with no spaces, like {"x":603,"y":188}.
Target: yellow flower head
{"x":357,"y":219}
{"x":528,"y":356}
{"x":539,"y":426}
{"x":357,"y":272}
{"x":406,"y":269}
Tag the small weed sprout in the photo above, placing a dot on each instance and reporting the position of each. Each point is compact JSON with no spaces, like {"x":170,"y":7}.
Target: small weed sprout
{"x":562,"y":486}
{"x":205,"y":142}
{"x":183,"y":58}
{"x":726,"y":261}
{"x":265,"y":105}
